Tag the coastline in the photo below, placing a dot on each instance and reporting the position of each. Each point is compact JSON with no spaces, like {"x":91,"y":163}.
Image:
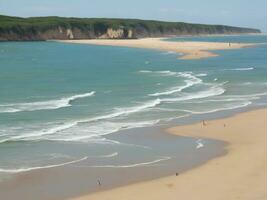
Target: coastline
{"x":170,"y":154}
{"x":190,"y":50}
{"x":245,"y":162}
{"x":142,"y":180}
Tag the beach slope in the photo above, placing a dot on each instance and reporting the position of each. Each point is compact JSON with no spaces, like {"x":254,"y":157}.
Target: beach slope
{"x":240,"y":174}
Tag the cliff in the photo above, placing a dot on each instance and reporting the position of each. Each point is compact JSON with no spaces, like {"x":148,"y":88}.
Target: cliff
{"x":48,"y":28}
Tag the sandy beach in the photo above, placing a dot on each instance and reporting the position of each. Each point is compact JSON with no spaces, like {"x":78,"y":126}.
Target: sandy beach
{"x":240,"y":174}
{"x":190,"y":50}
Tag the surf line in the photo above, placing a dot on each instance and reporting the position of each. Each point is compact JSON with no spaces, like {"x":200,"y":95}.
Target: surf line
{"x":19,"y":170}
{"x":130,"y":165}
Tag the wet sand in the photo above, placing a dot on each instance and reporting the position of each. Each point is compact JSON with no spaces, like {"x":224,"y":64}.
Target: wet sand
{"x":190,"y":50}
{"x":151,"y":154}
{"x":240,"y":174}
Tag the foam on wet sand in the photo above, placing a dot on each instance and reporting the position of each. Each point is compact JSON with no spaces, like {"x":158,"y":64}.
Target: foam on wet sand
{"x":240,"y":174}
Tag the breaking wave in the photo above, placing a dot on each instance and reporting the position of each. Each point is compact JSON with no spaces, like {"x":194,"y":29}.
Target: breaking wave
{"x":242,"y":69}
{"x":190,"y":80}
{"x":42,"y":105}
{"x":20,"y":170}
{"x":132,"y":165}
{"x":213,"y":91}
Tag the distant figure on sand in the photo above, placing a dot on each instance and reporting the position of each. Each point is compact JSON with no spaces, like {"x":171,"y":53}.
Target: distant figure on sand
{"x":229,"y":44}
{"x":204,"y":123}
{"x":99,"y":183}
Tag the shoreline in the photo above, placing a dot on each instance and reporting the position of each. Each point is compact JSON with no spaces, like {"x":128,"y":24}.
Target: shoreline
{"x":245,"y":162}
{"x":190,"y":50}
{"x":81,"y":179}
{"x":172,"y":133}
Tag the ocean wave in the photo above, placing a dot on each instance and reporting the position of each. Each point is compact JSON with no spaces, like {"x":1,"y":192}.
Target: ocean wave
{"x":128,"y":110}
{"x":106,"y":156}
{"x":92,"y":133}
{"x":109,"y":155}
{"x":233,"y":98}
{"x":213,"y":91}
{"x":240,"y":105}
{"x":170,"y":91}
{"x":249,"y":95}
{"x":42,"y":105}
{"x":145,"y":71}
{"x":95,"y":133}
{"x":241,"y":69}
{"x":201,"y":75}
{"x":37,"y":135}
{"x":165,"y":72}
{"x":131,"y":165}
{"x":20,"y":170}
{"x":97,"y":130}
{"x":190,"y":81}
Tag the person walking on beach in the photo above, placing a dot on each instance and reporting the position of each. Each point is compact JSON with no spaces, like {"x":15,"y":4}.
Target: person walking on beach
{"x":99,"y":182}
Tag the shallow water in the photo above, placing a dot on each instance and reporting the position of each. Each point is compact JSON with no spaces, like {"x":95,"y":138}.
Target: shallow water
{"x":63,"y":104}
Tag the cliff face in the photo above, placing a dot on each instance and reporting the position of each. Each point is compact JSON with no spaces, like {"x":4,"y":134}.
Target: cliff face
{"x":60,"y":33}
{"x":48,"y":28}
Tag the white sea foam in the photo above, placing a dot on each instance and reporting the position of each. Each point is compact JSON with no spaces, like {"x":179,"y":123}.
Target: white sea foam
{"x":71,"y":132}
{"x":241,"y":69}
{"x":164,"y":73}
{"x":42,"y":105}
{"x":145,"y":71}
{"x":249,"y":95}
{"x":106,"y":156}
{"x":130,"y":110}
{"x":169,"y":52}
{"x":233,"y":98}
{"x":96,"y":133}
{"x":201,"y":75}
{"x":109,"y":155}
{"x":231,"y":107}
{"x":132,"y":165}
{"x":190,"y":81}
{"x":124,"y":111}
{"x":213,"y":91}
{"x":38,"y":135}
{"x":199,"y":144}
{"x":27,"y":169}
{"x":170,"y":91}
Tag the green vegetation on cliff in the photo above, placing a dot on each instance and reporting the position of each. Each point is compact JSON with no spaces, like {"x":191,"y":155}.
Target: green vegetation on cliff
{"x":42,"y":28}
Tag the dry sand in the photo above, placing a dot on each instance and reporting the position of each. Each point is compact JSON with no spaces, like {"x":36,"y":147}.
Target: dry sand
{"x":190,"y":50}
{"x":240,"y":174}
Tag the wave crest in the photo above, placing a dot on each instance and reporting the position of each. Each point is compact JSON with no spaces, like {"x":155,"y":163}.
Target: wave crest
{"x":20,"y":170}
{"x":190,"y":80}
{"x":242,"y":69}
{"x":42,"y":105}
{"x":132,"y":165}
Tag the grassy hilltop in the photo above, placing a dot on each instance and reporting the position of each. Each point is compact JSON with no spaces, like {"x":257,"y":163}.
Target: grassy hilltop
{"x":43,"y":28}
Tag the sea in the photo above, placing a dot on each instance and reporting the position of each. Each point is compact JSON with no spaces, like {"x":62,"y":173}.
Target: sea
{"x":75,"y":104}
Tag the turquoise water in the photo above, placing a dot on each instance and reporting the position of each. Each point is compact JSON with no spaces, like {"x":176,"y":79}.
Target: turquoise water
{"x":228,"y":38}
{"x":56,"y":98}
